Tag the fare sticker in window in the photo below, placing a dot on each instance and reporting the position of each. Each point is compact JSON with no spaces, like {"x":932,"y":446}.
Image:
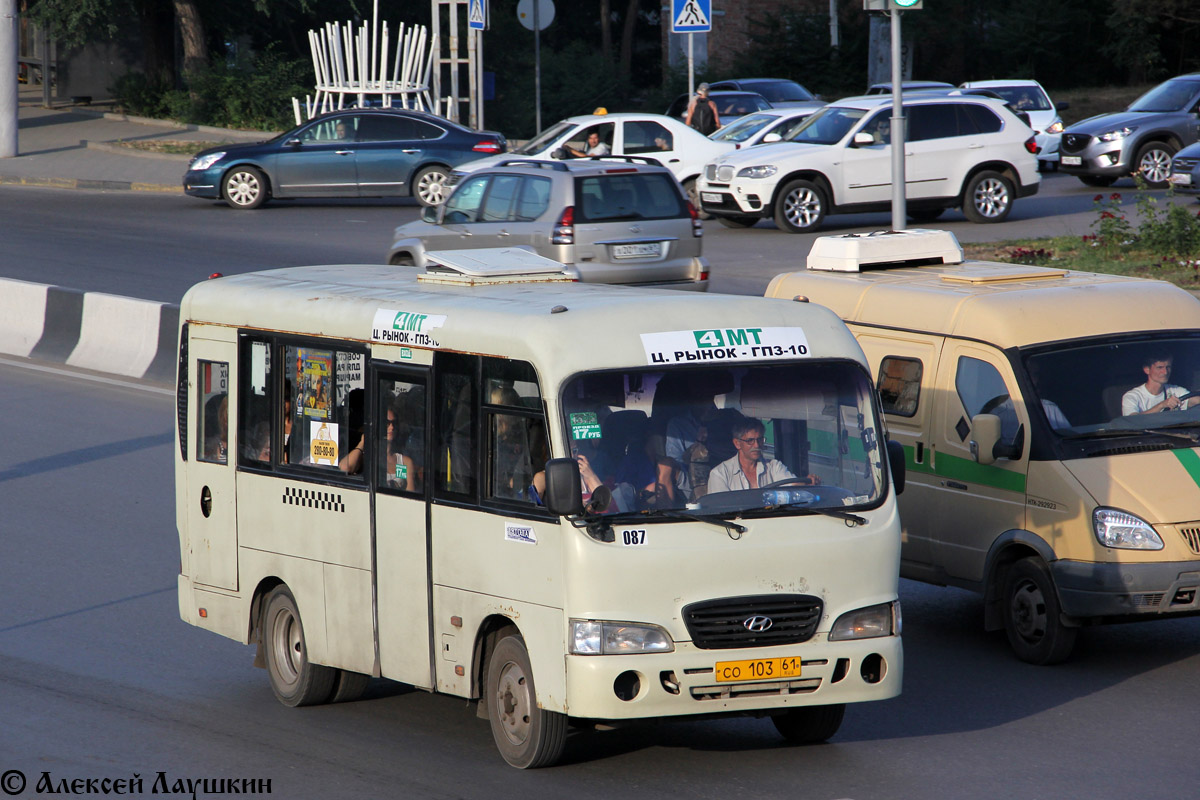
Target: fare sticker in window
{"x":725,"y":344}
{"x":401,"y":472}
{"x":392,"y":326}
{"x":323,"y":444}
{"x":585,"y":425}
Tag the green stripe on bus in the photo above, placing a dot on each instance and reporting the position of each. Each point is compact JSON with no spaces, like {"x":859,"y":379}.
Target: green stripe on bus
{"x":1191,"y":462}
{"x":965,"y":469}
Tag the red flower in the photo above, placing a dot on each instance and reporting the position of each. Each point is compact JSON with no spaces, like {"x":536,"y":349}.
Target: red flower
{"x":1115,"y":196}
{"x":1097,"y":198}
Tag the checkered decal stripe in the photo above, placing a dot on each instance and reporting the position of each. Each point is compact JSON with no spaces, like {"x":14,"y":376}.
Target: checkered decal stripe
{"x":309,"y":498}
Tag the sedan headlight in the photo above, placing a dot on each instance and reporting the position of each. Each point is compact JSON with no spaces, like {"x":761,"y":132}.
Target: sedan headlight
{"x":1117,"y":135}
{"x":1055,"y":127}
{"x":206,"y":161}
{"x":1123,"y":530}
{"x":601,"y":637}
{"x":762,"y":171}
{"x":867,"y":623}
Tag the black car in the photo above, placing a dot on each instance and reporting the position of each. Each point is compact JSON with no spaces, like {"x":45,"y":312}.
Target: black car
{"x":362,"y":152}
{"x":780,"y":92}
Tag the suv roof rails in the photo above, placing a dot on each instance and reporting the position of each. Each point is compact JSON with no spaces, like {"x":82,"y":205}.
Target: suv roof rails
{"x":531,"y":162}
{"x":630,"y":159}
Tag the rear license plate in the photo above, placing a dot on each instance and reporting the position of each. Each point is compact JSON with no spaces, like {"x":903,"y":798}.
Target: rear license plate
{"x":758,"y":669}
{"x":710,"y":197}
{"x":1181,"y":179}
{"x":1072,"y":161}
{"x":637,"y":250}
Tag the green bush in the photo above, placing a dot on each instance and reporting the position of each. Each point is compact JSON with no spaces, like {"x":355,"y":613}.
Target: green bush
{"x":1171,"y":232}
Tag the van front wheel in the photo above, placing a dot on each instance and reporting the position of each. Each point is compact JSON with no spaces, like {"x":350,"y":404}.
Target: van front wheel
{"x":1033,"y":616}
{"x":526,"y":735}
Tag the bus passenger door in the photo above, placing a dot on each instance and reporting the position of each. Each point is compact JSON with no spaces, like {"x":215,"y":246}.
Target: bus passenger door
{"x":211,"y":497}
{"x":399,"y":412}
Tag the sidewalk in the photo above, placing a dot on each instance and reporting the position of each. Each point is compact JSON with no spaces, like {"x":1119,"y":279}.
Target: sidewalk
{"x":74,"y":147}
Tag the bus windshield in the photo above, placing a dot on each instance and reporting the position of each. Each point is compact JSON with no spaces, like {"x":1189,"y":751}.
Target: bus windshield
{"x":728,"y":439}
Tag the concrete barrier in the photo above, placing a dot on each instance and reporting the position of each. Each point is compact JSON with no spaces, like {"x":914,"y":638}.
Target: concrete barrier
{"x":89,"y":330}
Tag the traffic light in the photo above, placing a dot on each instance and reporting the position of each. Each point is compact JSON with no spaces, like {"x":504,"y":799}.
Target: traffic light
{"x":893,"y":5}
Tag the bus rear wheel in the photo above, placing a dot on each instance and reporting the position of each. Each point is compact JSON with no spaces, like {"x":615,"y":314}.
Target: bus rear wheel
{"x":295,"y":680}
{"x":526,"y":735}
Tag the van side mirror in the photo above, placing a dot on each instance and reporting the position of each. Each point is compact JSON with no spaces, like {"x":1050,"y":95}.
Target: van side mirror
{"x":564,"y":495}
{"x":985,"y":435}
{"x":895,"y":452}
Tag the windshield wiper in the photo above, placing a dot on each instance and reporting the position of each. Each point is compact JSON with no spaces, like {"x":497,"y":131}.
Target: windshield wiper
{"x":675,"y":513}
{"x":827,"y":511}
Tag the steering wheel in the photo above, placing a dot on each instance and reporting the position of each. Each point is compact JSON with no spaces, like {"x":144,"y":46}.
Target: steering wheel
{"x":993,"y":404}
{"x":793,"y":481}
{"x":1188,"y":396}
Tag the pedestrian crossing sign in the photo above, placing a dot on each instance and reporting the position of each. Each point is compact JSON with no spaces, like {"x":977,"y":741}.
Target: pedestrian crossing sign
{"x":477,"y":15}
{"x":691,"y":16}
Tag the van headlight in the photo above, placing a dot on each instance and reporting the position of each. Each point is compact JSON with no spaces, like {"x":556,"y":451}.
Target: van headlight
{"x":591,"y":637}
{"x":1123,"y":530}
{"x":761,"y":171}
{"x":206,"y":161}
{"x":867,"y":623}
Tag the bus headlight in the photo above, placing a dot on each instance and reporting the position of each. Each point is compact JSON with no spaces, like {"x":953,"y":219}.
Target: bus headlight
{"x":601,"y":637}
{"x":1122,"y":530}
{"x":867,"y":623}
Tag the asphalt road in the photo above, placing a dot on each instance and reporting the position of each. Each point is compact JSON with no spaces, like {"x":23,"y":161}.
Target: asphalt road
{"x":155,"y":246}
{"x":100,"y":679}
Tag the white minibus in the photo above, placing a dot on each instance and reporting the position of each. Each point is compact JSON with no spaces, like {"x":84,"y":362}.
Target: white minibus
{"x":568,"y":503}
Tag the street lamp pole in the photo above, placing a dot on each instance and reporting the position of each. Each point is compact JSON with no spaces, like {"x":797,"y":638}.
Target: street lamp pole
{"x":8,"y":78}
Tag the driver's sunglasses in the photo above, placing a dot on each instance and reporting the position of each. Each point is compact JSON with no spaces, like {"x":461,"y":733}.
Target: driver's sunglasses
{"x":754,"y":440}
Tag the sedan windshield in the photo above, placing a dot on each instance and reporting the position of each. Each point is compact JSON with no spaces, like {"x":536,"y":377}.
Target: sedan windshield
{"x":786,"y":438}
{"x":743,"y":128}
{"x":1023,"y":98}
{"x":544,"y":139}
{"x":778,"y":91}
{"x":1119,"y":386}
{"x":828,"y":125}
{"x":1173,"y":95}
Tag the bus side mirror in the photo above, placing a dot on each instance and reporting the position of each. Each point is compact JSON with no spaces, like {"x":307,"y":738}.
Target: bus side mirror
{"x":985,"y":434}
{"x":895,"y":452}
{"x":564,"y":495}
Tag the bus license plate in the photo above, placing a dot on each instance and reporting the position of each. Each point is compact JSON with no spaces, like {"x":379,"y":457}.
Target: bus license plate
{"x":758,"y":669}
{"x":637,"y":250}
{"x":1072,"y":161}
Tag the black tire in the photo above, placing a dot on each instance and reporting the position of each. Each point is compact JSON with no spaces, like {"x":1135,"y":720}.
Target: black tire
{"x":988,"y":197}
{"x":349,"y":686}
{"x":1098,"y":181}
{"x":428,"y":185}
{"x":245,"y":188}
{"x":527,"y":736}
{"x":800,"y":207}
{"x":1033,"y":616}
{"x":810,"y":724}
{"x":926,"y":214}
{"x":693,"y":196}
{"x":738,"y":222}
{"x":402,"y":260}
{"x":1154,"y":163}
{"x":295,"y":680}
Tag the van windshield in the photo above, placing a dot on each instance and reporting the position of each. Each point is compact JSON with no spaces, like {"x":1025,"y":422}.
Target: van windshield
{"x":1120,"y":386}
{"x":783,"y":438}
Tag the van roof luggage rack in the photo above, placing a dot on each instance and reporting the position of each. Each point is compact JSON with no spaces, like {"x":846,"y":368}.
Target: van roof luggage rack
{"x":856,"y":252}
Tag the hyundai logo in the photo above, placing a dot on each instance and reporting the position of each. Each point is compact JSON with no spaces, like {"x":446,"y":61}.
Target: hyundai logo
{"x":758,"y":624}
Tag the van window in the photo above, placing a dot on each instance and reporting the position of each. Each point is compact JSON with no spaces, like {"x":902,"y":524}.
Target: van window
{"x":899,"y":385}
{"x":982,"y":391}
{"x":213,"y":386}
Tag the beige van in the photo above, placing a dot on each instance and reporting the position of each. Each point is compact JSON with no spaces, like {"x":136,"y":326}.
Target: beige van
{"x":1047,"y":421}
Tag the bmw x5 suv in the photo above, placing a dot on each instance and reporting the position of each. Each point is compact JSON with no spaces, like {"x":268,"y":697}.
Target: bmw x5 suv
{"x":1141,"y":139}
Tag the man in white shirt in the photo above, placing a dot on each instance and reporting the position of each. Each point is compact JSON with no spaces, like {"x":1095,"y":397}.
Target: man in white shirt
{"x":748,"y":469}
{"x":595,"y":147}
{"x":1156,"y":394}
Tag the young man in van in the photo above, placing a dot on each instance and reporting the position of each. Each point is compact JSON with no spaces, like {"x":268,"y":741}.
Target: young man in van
{"x":1155,"y":394}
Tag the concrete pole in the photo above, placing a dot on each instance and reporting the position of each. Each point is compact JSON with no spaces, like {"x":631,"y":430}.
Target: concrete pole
{"x":899,"y":202}
{"x":8,"y":78}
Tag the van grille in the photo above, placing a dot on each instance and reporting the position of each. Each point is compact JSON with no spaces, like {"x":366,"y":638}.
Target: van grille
{"x":1191,"y":535}
{"x":738,"y":621}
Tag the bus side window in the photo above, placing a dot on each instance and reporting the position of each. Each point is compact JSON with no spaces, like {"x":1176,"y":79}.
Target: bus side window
{"x":401,"y":433}
{"x":254,"y":419}
{"x":326,"y":409}
{"x":454,"y":453}
{"x":213,"y":439}
{"x":516,"y":429}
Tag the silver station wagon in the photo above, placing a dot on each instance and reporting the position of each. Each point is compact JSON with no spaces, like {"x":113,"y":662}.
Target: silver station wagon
{"x":609,"y":219}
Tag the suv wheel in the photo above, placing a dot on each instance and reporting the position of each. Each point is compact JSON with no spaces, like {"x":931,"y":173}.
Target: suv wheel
{"x":988,"y":198}
{"x":1154,"y":163}
{"x":800,"y":207}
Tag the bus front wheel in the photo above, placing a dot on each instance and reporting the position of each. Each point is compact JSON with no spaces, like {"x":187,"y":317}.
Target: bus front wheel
{"x":810,"y":724}
{"x":295,"y":680}
{"x":526,"y":735}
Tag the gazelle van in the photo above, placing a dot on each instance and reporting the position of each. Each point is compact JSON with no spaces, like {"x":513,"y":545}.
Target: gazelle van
{"x":1006,"y":384}
{"x":458,"y":480}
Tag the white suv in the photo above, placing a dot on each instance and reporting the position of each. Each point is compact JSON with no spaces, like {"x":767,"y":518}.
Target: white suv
{"x":961,"y":151}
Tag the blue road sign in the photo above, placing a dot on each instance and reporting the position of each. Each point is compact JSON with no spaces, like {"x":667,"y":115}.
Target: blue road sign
{"x":691,"y":16}
{"x":477,"y":15}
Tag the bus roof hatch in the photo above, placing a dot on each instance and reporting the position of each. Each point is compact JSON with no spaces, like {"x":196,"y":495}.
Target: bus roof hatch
{"x":491,"y":265}
{"x":855,"y":252}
